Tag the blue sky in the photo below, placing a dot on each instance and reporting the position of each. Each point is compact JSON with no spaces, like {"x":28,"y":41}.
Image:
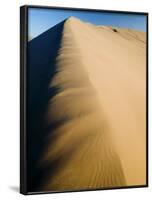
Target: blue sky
{"x":41,"y":19}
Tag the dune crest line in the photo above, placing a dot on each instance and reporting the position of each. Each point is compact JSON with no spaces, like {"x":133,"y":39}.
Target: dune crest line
{"x":86,"y":107}
{"x":80,"y":152}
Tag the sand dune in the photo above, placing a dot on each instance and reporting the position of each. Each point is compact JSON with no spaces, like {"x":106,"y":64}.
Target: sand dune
{"x":95,"y":121}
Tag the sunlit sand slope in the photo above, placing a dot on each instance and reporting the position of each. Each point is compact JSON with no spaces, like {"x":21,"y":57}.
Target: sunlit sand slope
{"x":96,"y":118}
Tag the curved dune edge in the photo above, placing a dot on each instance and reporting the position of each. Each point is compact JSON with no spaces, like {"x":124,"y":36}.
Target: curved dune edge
{"x":98,"y":111}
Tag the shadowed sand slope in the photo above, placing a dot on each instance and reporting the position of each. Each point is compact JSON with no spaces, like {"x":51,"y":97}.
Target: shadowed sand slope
{"x":42,"y":53}
{"x":94,"y":128}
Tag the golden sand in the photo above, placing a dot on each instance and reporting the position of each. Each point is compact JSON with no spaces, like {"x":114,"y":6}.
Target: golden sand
{"x":100,"y":109}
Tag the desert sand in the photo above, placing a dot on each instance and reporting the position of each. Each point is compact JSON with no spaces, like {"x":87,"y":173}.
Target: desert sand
{"x":96,"y":119}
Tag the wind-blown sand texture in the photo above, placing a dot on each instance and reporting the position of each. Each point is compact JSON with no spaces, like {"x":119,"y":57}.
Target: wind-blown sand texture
{"x":88,"y":102}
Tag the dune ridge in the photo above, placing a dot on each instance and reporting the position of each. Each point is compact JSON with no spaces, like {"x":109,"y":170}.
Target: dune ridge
{"x":95,"y":121}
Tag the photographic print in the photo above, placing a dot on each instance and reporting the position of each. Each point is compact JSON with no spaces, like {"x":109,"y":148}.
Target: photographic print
{"x":83,"y":99}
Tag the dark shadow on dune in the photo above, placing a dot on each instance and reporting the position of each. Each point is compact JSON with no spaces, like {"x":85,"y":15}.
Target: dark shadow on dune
{"x":59,"y":163}
{"x":42,"y":53}
{"x":114,"y":30}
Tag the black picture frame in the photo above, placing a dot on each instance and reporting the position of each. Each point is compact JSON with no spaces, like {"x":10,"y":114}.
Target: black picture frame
{"x":24,"y":93}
